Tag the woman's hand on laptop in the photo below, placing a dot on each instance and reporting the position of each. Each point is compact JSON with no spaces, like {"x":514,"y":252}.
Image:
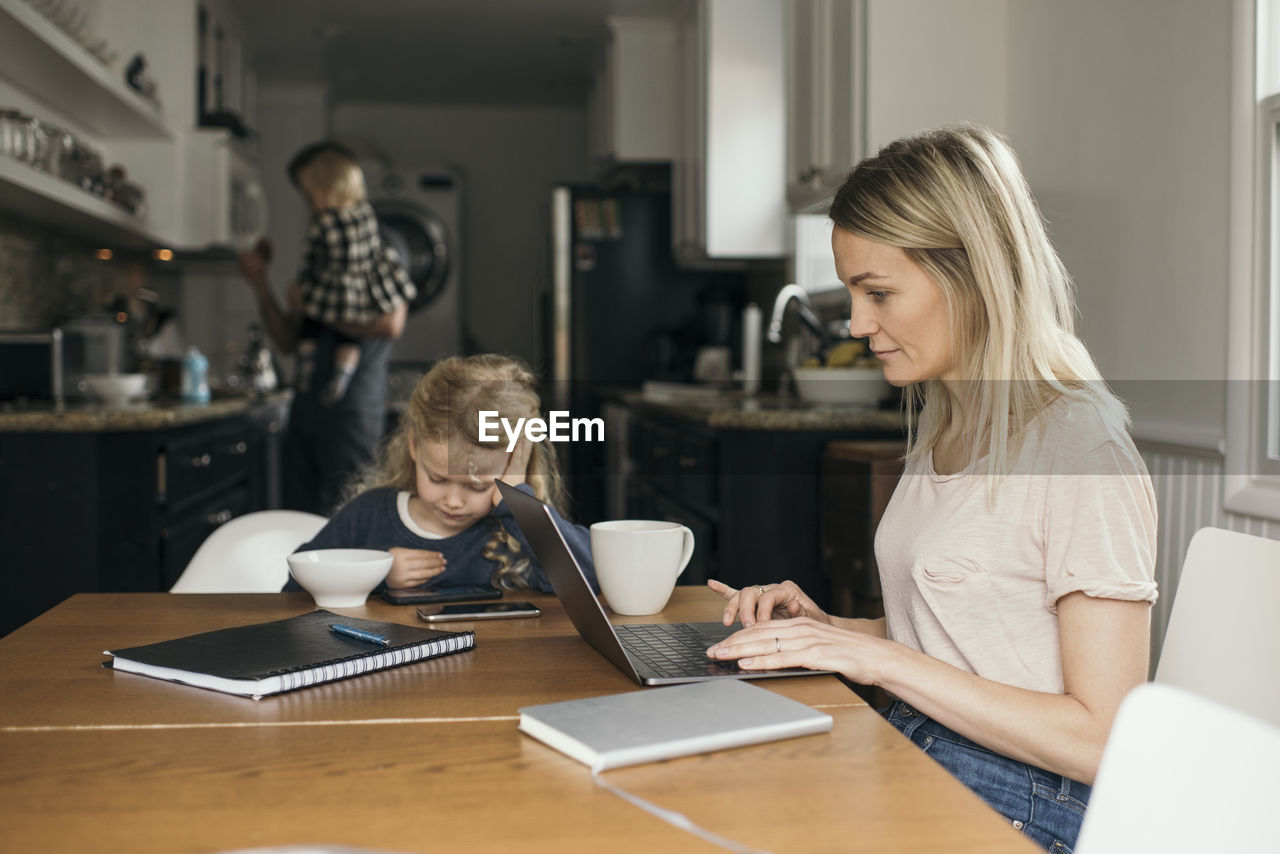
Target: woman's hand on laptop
{"x":760,"y":602}
{"x":805,"y":642}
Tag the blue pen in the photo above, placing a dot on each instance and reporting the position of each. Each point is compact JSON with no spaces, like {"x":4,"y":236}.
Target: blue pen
{"x":361,"y":634}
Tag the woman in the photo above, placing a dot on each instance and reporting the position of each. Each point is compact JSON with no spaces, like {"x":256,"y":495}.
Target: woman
{"x":1017,"y":554}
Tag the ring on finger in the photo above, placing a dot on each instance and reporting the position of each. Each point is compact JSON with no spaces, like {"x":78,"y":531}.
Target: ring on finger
{"x":777,"y":645}
{"x":759,"y":589}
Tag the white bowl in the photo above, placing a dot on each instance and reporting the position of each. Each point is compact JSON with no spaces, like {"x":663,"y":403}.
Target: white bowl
{"x":340,"y":578}
{"x":116,"y":388}
{"x":865,"y":386}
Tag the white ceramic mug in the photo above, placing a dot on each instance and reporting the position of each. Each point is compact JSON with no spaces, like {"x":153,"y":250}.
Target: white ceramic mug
{"x":638,"y":562}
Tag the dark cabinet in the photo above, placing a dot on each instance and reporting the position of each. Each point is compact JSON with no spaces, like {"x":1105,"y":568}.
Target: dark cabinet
{"x":124,"y":510}
{"x":858,"y":479}
{"x":751,"y":497}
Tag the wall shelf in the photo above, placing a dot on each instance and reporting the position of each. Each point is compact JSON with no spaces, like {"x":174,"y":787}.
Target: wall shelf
{"x":34,"y":196}
{"x":53,"y":67}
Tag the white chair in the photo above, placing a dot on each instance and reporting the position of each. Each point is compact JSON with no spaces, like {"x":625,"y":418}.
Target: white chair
{"x":1183,"y":774}
{"x":247,"y":554}
{"x":1223,"y":638}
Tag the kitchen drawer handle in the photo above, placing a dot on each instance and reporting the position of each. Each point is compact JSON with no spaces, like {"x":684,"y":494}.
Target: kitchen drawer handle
{"x":239,"y":447}
{"x":220,"y":518}
{"x":201,"y":462}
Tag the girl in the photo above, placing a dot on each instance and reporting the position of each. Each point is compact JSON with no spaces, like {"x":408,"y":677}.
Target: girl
{"x":430,"y":499}
{"x":348,"y":276}
{"x":1017,"y":555}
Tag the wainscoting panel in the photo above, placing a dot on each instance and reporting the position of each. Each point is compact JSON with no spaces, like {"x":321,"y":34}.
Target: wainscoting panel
{"x":1188,"y":486}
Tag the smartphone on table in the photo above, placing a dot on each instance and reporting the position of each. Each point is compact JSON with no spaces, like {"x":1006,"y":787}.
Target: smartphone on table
{"x":478,"y":611}
{"x":423,"y":593}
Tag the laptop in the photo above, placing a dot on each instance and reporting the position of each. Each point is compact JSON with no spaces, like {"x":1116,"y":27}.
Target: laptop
{"x":650,"y":653}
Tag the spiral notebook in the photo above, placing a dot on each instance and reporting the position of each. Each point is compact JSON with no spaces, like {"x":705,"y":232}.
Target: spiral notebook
{"x":285,"y":655}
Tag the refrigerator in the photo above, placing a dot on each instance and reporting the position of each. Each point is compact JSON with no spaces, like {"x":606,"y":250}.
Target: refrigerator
{"x":621,"y":312}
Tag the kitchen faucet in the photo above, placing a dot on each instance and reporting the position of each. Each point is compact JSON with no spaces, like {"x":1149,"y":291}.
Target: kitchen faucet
{"x":803,"y":310}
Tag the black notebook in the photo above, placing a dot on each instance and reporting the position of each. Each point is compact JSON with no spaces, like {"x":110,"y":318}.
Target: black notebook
{"x":268,"y":658}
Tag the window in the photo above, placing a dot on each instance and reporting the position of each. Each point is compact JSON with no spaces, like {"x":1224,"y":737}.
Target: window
{"x":1253,"y":397}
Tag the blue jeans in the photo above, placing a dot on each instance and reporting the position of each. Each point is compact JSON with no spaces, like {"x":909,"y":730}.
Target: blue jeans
{"x":1047,"y":807}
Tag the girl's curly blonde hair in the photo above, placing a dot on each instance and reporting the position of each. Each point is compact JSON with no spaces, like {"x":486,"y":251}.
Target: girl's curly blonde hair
{"x":445,"y":407}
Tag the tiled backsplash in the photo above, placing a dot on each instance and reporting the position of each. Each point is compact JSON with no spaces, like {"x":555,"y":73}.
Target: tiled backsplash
{"x":46,"y":277}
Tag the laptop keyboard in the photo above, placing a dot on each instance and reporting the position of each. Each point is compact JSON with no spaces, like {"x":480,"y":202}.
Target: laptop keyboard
{"x":672,"y":649}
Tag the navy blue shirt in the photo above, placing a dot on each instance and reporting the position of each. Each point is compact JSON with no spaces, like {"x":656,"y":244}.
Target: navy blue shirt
{"x":372,"y":520}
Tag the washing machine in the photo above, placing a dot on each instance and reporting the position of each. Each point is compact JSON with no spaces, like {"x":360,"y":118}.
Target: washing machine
{"x":420,"y":215}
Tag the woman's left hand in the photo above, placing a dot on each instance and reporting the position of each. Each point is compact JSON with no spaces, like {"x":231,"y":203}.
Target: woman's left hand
{"x":805,"y":642}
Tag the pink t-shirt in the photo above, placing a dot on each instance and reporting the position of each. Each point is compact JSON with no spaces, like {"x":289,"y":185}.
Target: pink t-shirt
{"x":974,"y":581}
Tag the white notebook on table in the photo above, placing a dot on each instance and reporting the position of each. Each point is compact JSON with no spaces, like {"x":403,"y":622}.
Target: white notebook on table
{"x":645,"y":726}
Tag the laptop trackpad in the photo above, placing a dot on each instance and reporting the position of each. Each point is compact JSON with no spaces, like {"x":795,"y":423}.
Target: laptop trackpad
{"x":714,"y":632}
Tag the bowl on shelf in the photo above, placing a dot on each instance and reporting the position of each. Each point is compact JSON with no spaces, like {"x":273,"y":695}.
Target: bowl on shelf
{"x":845,"y":386}
{"x":340,"y":578}
{"x":116,"y":389}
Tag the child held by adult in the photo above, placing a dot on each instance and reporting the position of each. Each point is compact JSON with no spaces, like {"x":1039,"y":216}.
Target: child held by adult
{"x":348,"y":277}
{"x":430,"y":498}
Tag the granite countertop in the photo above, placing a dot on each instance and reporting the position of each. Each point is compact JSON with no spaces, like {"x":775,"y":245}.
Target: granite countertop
{"x":90,"y":417}
{"x":733,"y":410}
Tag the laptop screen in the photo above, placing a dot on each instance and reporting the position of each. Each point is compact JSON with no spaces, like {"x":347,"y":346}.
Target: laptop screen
{"x":566,"y":577}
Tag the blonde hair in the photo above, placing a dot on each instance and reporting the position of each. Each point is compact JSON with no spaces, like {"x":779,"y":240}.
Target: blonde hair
{"x":445,"y":407}
{"x":955,"y":201}
{"x":332,"y":177}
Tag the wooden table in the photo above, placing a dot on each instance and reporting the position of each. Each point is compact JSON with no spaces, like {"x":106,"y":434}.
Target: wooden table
{"x":421,"y":758}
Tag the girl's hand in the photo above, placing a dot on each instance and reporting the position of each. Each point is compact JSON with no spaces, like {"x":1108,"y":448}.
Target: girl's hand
{"x":517,"y":467}
{"x":806,"y":642}
{"x":412,"y":567}
{"x":761,"y":602}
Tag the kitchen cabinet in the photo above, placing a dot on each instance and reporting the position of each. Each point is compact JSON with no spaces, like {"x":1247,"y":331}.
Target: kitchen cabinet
{"x":49,"y":75}
{"x":729,"y":174}
{"x":125,"y":509}
{"x":629,"y":108}
{"x":857,"y":481}
{"x":751,"y":496}
{"x":826,"y":55}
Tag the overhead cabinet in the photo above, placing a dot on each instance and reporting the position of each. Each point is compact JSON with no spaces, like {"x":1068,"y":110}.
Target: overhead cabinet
{"x":826,"y":89}
{"x":630,"y":107}
{"x":729,"y":174}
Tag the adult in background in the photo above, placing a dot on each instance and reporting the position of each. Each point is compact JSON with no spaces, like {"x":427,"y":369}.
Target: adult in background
{"x":1017,"y":555}
{"x":342,"y":312}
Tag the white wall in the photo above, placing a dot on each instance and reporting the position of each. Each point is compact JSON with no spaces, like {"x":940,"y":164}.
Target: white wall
{"x":1119,"y":112}
{"x":934,"y":62}
{"x":508,"y":157}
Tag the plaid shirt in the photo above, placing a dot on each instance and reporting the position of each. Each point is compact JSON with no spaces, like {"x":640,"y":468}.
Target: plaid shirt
{"x":348,"y":275}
